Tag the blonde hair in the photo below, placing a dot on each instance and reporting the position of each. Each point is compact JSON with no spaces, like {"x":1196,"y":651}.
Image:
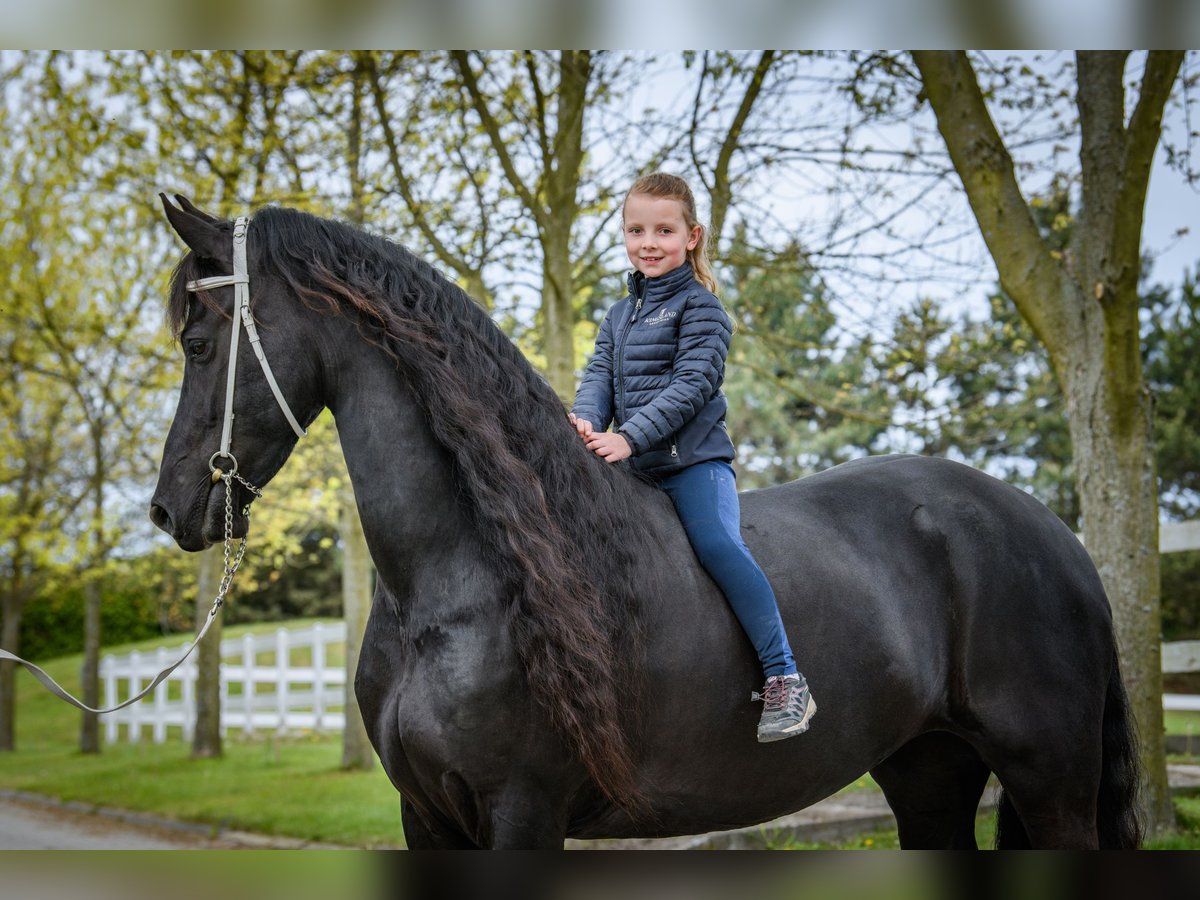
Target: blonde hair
{"x":672,"y":187}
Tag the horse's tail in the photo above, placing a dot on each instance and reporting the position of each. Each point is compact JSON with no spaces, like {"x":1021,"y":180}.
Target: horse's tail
{"x":1118,"y":824}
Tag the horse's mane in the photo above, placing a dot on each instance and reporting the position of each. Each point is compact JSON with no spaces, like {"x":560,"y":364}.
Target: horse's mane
{"x":562,"y":528}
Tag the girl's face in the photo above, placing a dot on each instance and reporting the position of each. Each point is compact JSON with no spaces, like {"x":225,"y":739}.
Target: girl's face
{"x":657,"y":238}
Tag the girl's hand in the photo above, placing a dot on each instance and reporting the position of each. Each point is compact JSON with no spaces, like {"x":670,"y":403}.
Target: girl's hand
{"x":583,"y":426}
{"x":609,"y":446}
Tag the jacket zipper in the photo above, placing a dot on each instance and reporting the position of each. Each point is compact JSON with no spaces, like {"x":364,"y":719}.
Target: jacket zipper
{"x":621,"y":354}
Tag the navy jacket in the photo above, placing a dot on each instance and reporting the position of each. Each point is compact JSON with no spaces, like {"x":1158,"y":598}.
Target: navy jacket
{"x":657,"y":371}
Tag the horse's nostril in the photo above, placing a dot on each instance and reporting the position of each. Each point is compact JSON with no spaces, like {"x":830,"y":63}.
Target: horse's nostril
{"x":161,"y":518}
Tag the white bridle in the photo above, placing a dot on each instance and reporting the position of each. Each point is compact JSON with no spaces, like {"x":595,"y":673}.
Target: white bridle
{"x":240,"y":279}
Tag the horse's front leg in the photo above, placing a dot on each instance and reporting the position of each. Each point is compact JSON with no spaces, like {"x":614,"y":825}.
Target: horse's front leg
{"x":422,"y":835}
{"x":525,"y":817}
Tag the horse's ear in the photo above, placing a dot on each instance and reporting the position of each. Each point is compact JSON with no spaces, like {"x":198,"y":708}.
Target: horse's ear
{"x":190,"y":207}
{"x":200,"y":232}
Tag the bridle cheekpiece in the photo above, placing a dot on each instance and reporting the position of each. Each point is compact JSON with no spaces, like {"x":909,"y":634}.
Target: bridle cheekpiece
{"x":240,"y":279}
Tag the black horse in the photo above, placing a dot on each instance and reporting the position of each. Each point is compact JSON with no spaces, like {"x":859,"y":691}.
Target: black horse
{"x":545,"y":658}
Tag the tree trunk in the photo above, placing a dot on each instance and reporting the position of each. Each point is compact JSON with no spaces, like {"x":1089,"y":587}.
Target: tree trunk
{"x":206,"y":735}
{"x":89,"y":729}
{"x":10,"y":640}
{"x":1083,"y":306}
{"x":356,"y":606}
{"x":558,"y":319}
{"x":1119,"y":502}
{"x":558,"y":218}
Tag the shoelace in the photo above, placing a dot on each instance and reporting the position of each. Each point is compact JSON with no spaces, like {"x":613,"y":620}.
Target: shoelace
{"x":776,"y":694}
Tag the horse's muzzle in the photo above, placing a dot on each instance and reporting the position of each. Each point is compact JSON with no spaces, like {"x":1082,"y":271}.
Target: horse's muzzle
{"x":187,"y":539}
{"x":202,"y":523}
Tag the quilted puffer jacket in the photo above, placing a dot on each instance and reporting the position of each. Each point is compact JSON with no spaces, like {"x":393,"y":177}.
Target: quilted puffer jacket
{"x":657,"y":371}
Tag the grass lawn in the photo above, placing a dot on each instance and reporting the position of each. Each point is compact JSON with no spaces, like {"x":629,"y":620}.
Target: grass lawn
{"x":292,"y":786}
{"x":284,"y":786}
{"x":1187,"y":837}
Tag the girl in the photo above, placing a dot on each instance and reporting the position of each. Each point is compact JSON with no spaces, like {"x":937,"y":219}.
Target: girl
{"x":656,"y":374}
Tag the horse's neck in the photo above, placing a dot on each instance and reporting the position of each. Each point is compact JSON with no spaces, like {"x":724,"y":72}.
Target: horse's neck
{"x":402,"y":477}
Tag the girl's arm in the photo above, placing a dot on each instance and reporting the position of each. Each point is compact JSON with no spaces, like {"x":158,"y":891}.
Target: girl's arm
{"x":699,"y":368}
{"x":594,"y":399}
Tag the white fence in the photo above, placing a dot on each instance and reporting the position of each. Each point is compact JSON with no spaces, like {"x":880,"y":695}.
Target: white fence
{"x":276,"y":682}
{"x":1180,"y":656}
{"x":1177,"y":657}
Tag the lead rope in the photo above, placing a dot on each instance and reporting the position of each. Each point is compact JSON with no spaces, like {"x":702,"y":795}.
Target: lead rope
{"x":226,"y":582}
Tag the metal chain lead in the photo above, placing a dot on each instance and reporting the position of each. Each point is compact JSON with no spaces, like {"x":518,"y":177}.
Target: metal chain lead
{"x":231,"y":570}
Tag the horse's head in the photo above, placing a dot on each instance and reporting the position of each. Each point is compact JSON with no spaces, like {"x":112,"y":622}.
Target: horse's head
{"x":189,"y":502}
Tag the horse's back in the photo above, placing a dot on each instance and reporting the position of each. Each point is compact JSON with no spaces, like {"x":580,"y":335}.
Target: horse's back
{"x":918,"y":594}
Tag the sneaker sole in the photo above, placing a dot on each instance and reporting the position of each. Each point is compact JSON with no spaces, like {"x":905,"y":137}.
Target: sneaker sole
{"x":792,"y":730}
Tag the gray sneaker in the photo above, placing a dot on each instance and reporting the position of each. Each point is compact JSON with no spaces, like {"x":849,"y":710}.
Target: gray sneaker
{"x":787,"y":709}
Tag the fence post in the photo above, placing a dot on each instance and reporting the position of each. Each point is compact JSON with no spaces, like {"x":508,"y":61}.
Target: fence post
{"x":135,"y":685}
{"x":224,"y":706}
{"x":318,"y":661}
{"x":283,"y":665}
{"x":248,"y":685}
{"x":110,"y":698}
{"x":160,"y":698}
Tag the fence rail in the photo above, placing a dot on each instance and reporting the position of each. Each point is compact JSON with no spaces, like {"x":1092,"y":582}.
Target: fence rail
{"x":277,"y":682}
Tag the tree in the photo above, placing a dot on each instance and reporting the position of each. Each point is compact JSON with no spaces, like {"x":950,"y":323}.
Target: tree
{"x":550,"y":109}
{"x":356,"y":605}
{"x":206,"y":730}
{"x":36,"y":497}
{"x":455,"y":217}
{"x":1083,"y":306}
{"x":84,"y":304}
{"x":1172,"y":345}
{"x":801,"y":398}
{"x":222,"y":127}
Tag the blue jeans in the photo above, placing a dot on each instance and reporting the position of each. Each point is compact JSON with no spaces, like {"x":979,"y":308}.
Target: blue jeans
{"x":705,"y":497}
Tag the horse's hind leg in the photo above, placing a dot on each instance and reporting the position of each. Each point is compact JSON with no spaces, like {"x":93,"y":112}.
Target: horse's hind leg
{"x":1048,"y":757}
{"x":1049,"y":801}
{"x":933,"y":785}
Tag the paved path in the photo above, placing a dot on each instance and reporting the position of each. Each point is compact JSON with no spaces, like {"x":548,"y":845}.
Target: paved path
{"x":32,"y":822}
{"x":28,"y":825}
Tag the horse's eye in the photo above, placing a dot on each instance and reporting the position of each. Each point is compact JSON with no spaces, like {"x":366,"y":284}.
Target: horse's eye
{"x":197,"y":349}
